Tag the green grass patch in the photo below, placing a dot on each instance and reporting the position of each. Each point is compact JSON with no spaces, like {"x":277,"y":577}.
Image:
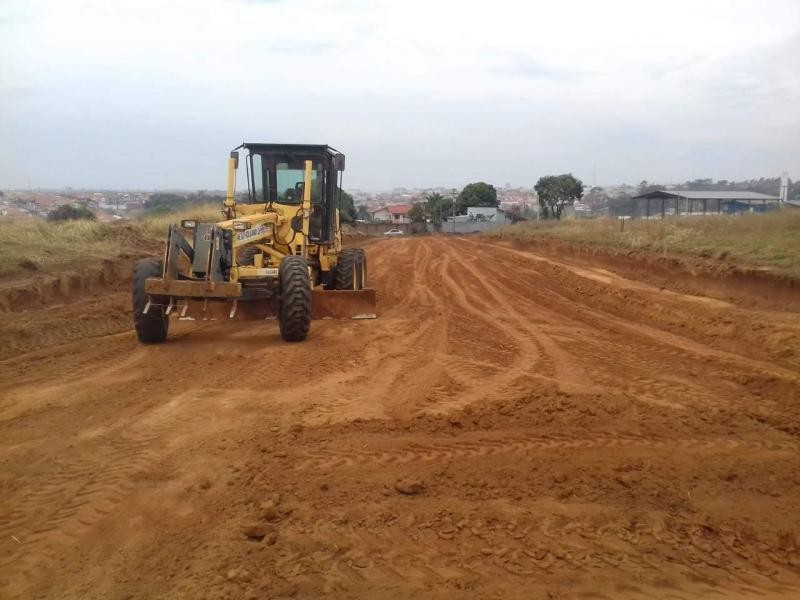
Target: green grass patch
{"x":762,"y":240}
{"x":28,"y":246}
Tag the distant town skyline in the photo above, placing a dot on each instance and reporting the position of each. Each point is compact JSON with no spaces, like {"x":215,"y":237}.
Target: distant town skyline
{"x":150,"y":94}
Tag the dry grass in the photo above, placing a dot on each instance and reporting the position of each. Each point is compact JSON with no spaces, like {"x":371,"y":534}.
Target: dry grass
{"x":37,"y":245}
{"x":765,"y":241}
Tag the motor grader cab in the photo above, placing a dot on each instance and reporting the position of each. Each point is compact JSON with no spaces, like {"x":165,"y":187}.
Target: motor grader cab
{"x":278,"y":255}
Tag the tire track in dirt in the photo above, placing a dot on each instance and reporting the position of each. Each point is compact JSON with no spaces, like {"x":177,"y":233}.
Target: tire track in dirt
{"x":519,"y":351}
{"x":563,"y":368}
{"x":68,"y":493}
{"x":655,"y":366}
{"x":528,"y":490}
{"x":461,"y":547}
{"x":553,"y":289}
{"x":486,"y":447}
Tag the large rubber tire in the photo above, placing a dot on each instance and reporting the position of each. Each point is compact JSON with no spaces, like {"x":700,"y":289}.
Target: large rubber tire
{"x":151,"y":328}
{"x":347,"y":270}
{"x":294,"y":318}
{"x":363,"y":256}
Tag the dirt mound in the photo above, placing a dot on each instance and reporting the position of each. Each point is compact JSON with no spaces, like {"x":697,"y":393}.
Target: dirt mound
{"x":708,"y":277}
{"x":50,"y":309}
{"x":516,"y":424}
{"x":46,"y":289}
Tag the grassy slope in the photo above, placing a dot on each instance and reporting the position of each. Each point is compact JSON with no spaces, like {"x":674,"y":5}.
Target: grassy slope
{"x":33,"y":245}
{"x":771,"y":240}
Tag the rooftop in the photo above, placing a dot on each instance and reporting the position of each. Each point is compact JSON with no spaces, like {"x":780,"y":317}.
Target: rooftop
{"x":708,"y":195}
{"x":394,"y":209}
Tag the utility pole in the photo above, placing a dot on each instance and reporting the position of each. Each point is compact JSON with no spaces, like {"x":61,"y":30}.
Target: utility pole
{"x":454,"y":209}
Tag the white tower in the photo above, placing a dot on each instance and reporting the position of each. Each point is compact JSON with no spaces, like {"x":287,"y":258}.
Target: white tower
{"x":784,"y":186}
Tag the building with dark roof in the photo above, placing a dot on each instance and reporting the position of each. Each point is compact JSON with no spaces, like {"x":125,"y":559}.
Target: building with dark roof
{"x":677,"y":202}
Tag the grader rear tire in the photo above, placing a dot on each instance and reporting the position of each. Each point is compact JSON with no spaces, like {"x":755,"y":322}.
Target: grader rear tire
{"x":351,"y":270}
{"x":347,"y":271}
{"x":363,"y":256}
{"x":151,"y":328}
{"x":294,"y":318}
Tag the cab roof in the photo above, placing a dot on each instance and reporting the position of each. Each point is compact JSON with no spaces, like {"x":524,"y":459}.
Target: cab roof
{"x":279,"y":148}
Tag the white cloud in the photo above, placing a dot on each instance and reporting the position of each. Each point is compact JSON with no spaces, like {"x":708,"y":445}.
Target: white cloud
{"x":414,"y":92}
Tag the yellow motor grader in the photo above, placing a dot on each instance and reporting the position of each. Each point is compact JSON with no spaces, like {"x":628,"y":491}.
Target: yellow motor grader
{"x":279,"y":255}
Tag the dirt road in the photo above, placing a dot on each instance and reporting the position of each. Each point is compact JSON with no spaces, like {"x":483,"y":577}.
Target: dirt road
{"x":514,"y":425}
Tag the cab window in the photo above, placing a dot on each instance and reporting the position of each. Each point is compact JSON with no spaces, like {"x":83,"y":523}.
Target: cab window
{"x":289,"y":178}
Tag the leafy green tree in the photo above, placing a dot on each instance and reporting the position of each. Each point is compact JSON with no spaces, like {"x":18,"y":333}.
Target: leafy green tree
{"x":515,"y":214}
{"x":347,"y":209}
{"x":418,"y":212}
{"x":362,"y":213}
{"x":438,"y":207}
{"x":476,"y":194}
{"x":434,"y":200}
{"x":621,"y":205}
{"x":165,"y":202}
{"x":556,"y":192}
{"x":646,"y":188}
{"x":66,"y":212}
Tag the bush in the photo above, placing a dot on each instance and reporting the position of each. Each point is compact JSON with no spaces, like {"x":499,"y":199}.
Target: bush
{"x":66,"y":212}
{"x":161,"y":203}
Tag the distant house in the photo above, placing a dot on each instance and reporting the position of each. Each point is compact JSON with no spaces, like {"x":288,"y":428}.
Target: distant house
{"x":397,"y":214}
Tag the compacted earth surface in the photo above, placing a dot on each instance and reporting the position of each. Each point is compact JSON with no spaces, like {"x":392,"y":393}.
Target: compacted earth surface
{"x":515,"y":424}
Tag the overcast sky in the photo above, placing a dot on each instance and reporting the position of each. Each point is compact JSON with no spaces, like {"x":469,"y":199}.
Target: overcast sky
{"x":153,"y":94}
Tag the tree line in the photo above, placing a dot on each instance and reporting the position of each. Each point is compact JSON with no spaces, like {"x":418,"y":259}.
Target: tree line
{"x":555,"y":192}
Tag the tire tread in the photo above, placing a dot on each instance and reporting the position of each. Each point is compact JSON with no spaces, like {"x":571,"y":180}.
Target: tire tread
{"x":295,"y":311}
{"x":151,"y":328}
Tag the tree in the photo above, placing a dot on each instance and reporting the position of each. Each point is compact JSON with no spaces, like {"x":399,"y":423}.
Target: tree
{"x":362,"y":214}
{"x":556,"y":192}
{"x":438,"y":207}
{"x":66,"y":212}
{"x":167,"y":202}
{"x":417,"y":212}
{"x":646,"y":188}
{"x":622,"y":205}
{"x":347,"y":209}
{"x":164,"y":202}
{"x":515,"y":213}
{"x":476,"y":194}
{"x":434,"y":201}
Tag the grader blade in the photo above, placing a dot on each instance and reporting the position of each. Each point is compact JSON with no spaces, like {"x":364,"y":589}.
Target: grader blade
{"x":325,"y":304}
{"x":344,"y":304}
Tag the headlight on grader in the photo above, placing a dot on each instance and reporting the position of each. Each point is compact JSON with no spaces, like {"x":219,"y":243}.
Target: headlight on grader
{"x":241,"y":225}
{"x":188,"y":223}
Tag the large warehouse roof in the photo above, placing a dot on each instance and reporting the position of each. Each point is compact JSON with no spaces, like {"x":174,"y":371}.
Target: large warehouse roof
{"x":707,"y":195}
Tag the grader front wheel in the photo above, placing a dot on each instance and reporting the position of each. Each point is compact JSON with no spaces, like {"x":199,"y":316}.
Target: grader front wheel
{"x":152,"y":327}
{"x":294,"y":318}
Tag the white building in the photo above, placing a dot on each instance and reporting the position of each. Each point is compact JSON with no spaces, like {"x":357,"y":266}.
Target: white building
{"x":397,"y":214}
